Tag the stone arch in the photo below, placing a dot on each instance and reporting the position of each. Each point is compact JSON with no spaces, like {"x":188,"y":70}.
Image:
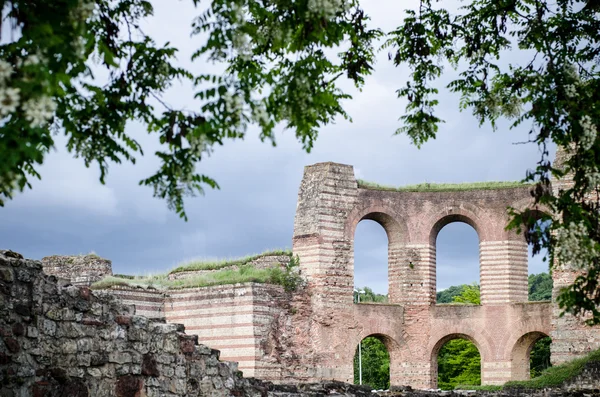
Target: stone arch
{"x":393,"y":348}
{"x":461,"y":213}
{"x":433,"y":358}
{"x":395,"y":229}
{"x":520,"y":354}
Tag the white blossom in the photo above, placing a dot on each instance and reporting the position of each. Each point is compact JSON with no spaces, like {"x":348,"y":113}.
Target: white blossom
{"x":86,"y":8}
{"x":241,"y":44}
{"x":589,"y":132}
{"x":573,"y":247}
{"x":5,"y":70}
{"x":233,"y":104}
{"x":198,"y":145}
{"x":259,"y":114}
{"x":570,"y":91}
{"x":31,"y":60}
{"x":39,"y":111}
{"x":9,"y":100}
{"x":593,"y":179}
{"x":327,"y":8}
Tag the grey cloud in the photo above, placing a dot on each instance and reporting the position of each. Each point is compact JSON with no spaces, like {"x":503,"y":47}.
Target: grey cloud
{"x":69,"y":211}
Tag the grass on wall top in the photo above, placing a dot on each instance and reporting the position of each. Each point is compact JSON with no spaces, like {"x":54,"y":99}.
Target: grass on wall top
{"x":227,"y":276}
{"x":219,"y":264}
{"x":442,"y":187}
{"x":224,"y":274}
{"x":552,"y":377}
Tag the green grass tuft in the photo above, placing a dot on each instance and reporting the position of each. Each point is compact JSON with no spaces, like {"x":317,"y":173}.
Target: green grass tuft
{"x":556,"y":376}
{"x":552,"y":377}
{"x":244,"y":273}
{"x":442,"y":187}
{"x":220,"y":264}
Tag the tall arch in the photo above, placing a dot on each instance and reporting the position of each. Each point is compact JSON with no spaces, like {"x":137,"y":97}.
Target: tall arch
{"x":521,"y":353}
{"x":449,"y":216}
{"x":371,"y":261}
{"x":396,"y":232}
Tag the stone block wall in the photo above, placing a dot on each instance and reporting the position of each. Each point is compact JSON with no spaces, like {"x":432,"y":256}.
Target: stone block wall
{"x":57,"y":339}
{"x":79,"y":269}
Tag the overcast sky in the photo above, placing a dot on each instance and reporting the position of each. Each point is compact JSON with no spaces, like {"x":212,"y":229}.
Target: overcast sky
{"x":70,"y":212}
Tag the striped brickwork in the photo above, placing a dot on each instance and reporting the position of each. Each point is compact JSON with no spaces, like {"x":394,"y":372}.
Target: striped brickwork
{"x":330,"y":205}
{"x":148,"y":303}
{"x":312,"y":335}
{"x":412,"y":281}
{"x":327,"y":194}
{"x":234,"y":319}
{"x":503,"y":271}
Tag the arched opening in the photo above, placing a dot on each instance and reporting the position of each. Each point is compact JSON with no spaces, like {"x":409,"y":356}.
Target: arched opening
{"x":371,"y":260}
{"x":538,"y":265}
{"x":372,"y":363}
{"x":457,"y":261}
{"x":530,"y":355}
{"x":456,"y":361}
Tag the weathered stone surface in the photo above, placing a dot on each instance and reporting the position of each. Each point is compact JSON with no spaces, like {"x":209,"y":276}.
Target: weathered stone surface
{"x":88,"y":352}
{"x":82,"y":270}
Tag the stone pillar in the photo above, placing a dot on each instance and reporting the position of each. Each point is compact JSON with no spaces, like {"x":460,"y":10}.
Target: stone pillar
{"x":503,"y":271}
{"x":327,"y":194}
{"x":412,"y":277}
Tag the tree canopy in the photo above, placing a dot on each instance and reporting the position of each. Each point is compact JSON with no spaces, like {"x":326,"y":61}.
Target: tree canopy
{"x":277,"y":71}
{"x":85,"y":68}
{"x":553,"y":86}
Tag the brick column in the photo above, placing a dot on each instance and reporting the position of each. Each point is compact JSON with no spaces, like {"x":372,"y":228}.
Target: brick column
{"x":503,"y":271}
{"x":412,"y":275}
{"x":327,"y":194}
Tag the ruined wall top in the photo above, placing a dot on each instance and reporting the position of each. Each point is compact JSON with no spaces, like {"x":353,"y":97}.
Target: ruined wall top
{"x":78,"y":269}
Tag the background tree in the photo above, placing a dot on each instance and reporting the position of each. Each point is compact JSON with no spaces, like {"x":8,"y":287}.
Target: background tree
{"x":540,"y":287}
{"x":552,"y":85}
{"x":369,"y":295}
{"x":375,"y":364}
{"x":277,"y":71}
{"x":459,"y":361}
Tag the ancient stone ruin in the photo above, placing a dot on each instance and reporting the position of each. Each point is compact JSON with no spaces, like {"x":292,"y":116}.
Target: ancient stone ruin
{"x":308,"y":335}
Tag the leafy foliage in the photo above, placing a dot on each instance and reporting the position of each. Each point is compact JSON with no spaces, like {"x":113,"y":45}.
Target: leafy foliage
{"x":368,"y":295}
{"x":552,"y":85}
{"x":540,"y":287}
{"x":459,"y":361}
{"x":539,"y":358}
{"x":447,"y":295}
{"x":375,"y":364}
{"x":277,"y":71}
{"x":556,"y":376}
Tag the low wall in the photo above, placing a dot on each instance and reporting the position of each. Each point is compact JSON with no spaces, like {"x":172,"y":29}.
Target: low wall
{"x":235,"y":319}
{"x":147,"y":302}
{"x":78,"y":269}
